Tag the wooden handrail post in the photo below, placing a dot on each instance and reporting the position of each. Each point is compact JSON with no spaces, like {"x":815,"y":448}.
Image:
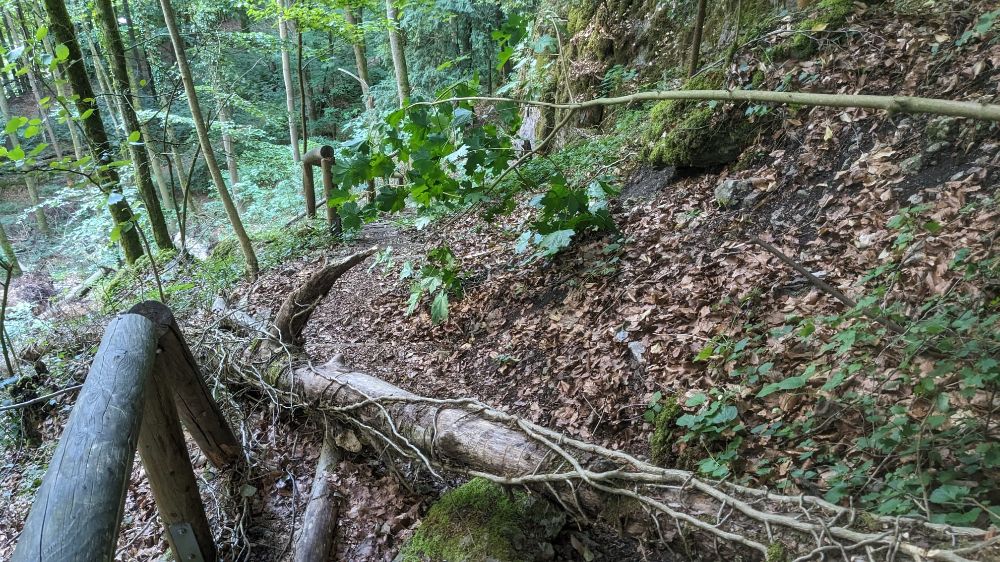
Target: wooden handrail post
{"x":171,"y":477}
{"x":332,"y":216}
{"x":195,"y":406}
{"x":312,"y":158}
{"x":77,"y":511}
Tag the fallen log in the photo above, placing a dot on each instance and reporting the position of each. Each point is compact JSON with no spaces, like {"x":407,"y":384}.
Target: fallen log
{"x":319,"y":526}
{"x":82,"y":289}
{"x":596,"y":483}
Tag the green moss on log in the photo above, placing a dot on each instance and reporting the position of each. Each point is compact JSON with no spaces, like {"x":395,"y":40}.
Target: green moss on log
{"x":827,"y":15}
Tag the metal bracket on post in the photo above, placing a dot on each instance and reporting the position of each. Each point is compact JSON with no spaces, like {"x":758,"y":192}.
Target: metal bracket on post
{"x":185,"y":543}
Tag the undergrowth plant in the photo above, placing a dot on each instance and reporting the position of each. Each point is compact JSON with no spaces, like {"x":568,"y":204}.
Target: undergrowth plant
{"x":920,"y":400}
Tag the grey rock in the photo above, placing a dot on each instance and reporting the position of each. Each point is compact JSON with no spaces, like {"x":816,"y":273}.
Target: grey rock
{"x":941,"y":129}
{"x":912,"y":165}
{"x":936,"y":147}
{"x":729,"y":193}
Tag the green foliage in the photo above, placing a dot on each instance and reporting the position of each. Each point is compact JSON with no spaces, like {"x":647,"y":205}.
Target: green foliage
{"x":826,"y":15}
{"x":481,"y":521}
{"x":439,"y":279}
{"x":715,"y":426}
{"x":945,"y":461}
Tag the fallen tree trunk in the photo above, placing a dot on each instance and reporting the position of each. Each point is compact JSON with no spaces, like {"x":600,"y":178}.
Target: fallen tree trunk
{"x":593,"y":482}
{"x":319,"y":525}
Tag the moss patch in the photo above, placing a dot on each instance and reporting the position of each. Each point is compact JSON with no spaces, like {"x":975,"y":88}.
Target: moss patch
{"x":826,"y":15}
{"x":481,"y":521}
{"x":688,"y":133}
{"x":776,"y":553}
{"x":661,"y":442}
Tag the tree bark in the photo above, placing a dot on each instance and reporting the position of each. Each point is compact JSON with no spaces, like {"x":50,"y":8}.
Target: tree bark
{"x":699,"y":25}
{"x":93,"y":127}
{"x":227,"y":143}
{"x":319,"y":527}
{"x":303,"y":98}
{"x":396,"y":41}
{"x":206,"y":144}
{"x":105,"y":84}
{"x":137,"y":150}
{"x":286,"y":75}
{"x":8,"y":252}
{"x":360,"y":54}
{"x":33,"y":81}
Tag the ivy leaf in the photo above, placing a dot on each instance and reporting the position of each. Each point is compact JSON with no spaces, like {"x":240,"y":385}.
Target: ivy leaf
{"x":696,"y":400}
{"x":62,"y":52}
{"x":41,"y":33}
{"x":133,"y":137}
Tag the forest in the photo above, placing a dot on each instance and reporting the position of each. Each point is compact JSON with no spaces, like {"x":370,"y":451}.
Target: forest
{"x":472,"y":280}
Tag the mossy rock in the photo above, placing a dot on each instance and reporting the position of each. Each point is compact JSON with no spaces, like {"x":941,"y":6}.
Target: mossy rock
{"x":776,"y":553}
{"x":481,"y":521}
{"x":695,"y":134}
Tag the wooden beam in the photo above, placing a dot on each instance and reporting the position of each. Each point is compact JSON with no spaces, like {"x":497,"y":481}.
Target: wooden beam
{"x":165,"y":457}
{"x":332,"y":216}
{"x":316,"y":155}
{"x":90,"y":469}
{"x":197,"y":409}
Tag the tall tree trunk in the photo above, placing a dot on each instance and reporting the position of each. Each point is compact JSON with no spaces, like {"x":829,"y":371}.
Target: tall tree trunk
{"x":142,"y":68}
{"x":119,"y":72}
{"x":360,"y":54}
{"x":303,"y":100}
{"x":699,"y":24}
{"x":6,"y":45}
{"x":396,"y":41}
{"x":286,"y":75}
{"x":227,"y":143}
{"x":93,"y":127}
{"x":105,"y":84}
{"x":205,"y":141}
{"x":8,"y":252}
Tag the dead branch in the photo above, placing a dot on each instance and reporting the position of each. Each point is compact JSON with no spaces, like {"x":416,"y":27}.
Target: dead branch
{"x":319,"y":526}
{"x":298,"y":307}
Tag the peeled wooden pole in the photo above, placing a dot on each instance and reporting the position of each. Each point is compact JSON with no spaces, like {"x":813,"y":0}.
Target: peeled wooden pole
{"x":312,"y":158}
{"x":197,"y":409}
{"x":90,"y":469}
{"x":332,"y":216}
{"x":319,"y":528}
{"x":171,"y":477}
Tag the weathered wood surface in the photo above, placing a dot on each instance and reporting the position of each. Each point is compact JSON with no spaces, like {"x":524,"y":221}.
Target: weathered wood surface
{"x":316,"y":155}
{"x":92,"y":463}
{"x":332,"y":216}
{"x":195,"y":405}
{"x":319,"y":527}
{"x":309,"y":189}
{"x":298,"y":306}
{"x":168,"y":466}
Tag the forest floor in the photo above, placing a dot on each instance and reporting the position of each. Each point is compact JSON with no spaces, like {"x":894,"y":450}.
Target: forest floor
{"x":581,"y":342}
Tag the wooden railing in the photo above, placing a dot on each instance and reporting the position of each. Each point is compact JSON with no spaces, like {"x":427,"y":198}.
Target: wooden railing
{"x":142,"y":384}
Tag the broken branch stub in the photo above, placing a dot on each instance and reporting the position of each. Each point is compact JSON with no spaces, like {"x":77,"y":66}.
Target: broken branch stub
{"x":294,"y":313}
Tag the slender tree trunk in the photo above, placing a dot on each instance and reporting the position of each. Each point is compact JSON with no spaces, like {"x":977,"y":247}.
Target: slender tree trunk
{"x":6,"y":45}
{"x":8,"y":252}
{"x":286,"y":75}
{"x":303,"y":100}
{"x":396,"y":41}
{"x":142,"y":68}
{"x":140,"y":159}
{"x":93,"y":127}
{"x":227,"y":143}
{"x":206,"y":143}
{"x":699,"y":24}
{"x":360,"y":54}
{"x":104,"y":84}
